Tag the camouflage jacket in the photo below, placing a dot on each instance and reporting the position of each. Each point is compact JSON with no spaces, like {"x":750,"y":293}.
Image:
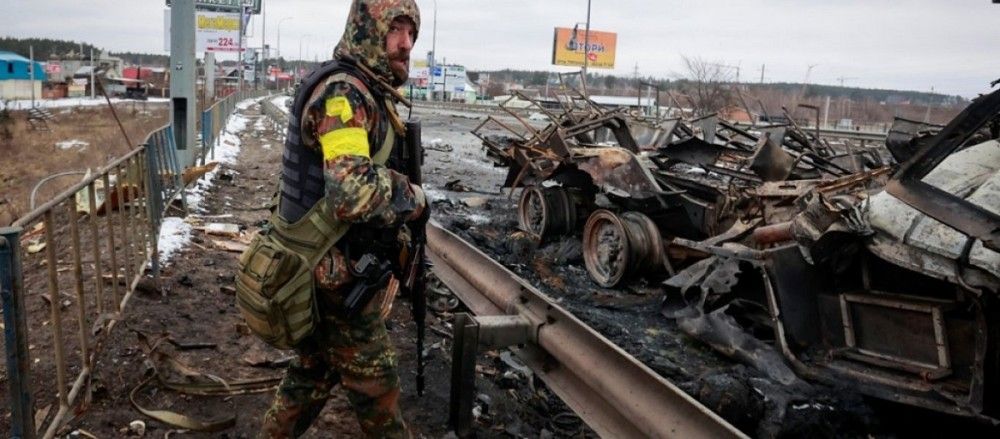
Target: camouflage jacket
{"x":342,"y":120}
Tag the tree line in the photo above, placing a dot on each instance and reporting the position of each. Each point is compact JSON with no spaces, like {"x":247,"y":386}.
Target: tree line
{"x":46,"y":47}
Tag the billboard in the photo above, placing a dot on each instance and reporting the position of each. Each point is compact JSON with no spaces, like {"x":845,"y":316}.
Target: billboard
{"x":226,"y":5}
{"x":567,"y":48}
{"x":214,"y":31}
{"x":449,"y":78}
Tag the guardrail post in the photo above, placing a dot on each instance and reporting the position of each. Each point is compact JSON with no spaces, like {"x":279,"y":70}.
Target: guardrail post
{"x":463,"y":374}
{"x":16,"y":335}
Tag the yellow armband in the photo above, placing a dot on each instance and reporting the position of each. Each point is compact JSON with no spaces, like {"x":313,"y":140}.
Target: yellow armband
{"x":345,"y":141}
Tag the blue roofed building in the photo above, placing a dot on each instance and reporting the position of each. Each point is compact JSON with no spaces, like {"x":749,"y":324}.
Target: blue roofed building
{"x":16,"y":77}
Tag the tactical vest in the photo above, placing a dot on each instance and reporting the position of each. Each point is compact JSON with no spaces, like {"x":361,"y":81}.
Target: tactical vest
{"x":302,"y":181}
{"x":275,"y":285}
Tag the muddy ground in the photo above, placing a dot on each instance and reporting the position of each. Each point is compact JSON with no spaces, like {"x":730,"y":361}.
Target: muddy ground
{"x":194,"y":305}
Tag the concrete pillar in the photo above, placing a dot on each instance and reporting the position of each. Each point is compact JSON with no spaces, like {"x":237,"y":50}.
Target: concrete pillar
{"x":209,"y":76}
{"x":183,"y":79}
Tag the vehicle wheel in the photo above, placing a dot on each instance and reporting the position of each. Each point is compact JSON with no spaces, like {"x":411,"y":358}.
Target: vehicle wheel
{"x":547,"y":212}
{"x":617,"y":247}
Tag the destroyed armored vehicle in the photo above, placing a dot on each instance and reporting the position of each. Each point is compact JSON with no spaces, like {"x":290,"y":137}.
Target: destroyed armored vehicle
{"x":587,"y":173}
{"x":892,"y":291}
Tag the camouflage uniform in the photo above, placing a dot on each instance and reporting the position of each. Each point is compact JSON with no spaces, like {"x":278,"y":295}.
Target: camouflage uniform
{"x":343,"y":120}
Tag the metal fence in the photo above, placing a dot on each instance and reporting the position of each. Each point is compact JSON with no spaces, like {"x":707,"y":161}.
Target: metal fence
{"x":213,"y":119}
{"x":69,"y":268}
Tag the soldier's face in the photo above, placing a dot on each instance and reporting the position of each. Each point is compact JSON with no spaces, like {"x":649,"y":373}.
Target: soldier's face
{"x":398,"y":43}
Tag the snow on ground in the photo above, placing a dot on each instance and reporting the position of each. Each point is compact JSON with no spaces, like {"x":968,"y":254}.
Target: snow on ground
{"x":73,"y":102}
{"x":227,"y":149}
{"x":71,"y":144}
{"x":174,"y":235}
{"x":281,"y":102}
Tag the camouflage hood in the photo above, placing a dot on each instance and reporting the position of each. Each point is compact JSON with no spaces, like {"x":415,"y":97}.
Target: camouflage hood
{"x":366,"y":29}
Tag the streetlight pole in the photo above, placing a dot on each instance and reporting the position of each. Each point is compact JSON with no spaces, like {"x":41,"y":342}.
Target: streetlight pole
{"x":431,"y":87}
{"x":279,"y":46}
{"x":279,"y":33}
{"x":300,"y":55}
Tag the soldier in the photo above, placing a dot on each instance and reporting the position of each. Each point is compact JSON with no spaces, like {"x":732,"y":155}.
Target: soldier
{"x":335,"y":145}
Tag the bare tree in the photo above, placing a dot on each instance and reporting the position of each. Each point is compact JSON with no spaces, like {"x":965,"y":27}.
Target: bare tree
{"x":710,"y":88}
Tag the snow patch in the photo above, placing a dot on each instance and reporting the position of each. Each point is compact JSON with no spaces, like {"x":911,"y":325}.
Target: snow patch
{"x":72,"y":102}
{"x":478,"y":218}
{"x":282,"y":103}
{"x":227,"y":150}
{"x":175,"y":234}
{"x":72,"y":144}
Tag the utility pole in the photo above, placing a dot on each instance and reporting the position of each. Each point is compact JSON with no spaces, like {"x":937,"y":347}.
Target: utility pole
{"x":927,"y":117}
{"x":586,"y":50}
{"x":279,"y":43}
{"x":31,"y":68}
{"x":93,"y":74}
{"x":826,"y":113}
{"x":842,"y":79}
{"x":300,"y":55}
{"x":762,"y":67}
{"x":430,"y":72}
{"x":263,"y":44}
{"x":241,"y":51}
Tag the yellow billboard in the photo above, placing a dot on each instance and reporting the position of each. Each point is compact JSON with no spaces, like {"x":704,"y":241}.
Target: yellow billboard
{"x":567,"y":48}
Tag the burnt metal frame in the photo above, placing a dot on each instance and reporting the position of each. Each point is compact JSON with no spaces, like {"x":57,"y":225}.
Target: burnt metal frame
{"x":908,"y":185}
{"x":932,"y":371}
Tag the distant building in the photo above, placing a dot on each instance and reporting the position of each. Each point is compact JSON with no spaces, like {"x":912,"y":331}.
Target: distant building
{"x":738,"y":115}
{"x":16,"y":77}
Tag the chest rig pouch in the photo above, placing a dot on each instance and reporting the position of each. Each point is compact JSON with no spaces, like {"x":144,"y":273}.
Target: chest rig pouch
{"x":275,"y":284}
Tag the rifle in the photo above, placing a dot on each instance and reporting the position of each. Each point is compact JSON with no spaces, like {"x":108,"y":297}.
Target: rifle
{"x":413,"y":155}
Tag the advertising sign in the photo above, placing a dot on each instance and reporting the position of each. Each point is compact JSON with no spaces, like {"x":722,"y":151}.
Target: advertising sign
{"x":226,"y":5}
{"x":214,"y":31}
{"x":446,"y":78}
{"x":568,"y":50}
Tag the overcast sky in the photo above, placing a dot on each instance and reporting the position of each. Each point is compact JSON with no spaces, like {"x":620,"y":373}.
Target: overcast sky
{"x":950,"y":45}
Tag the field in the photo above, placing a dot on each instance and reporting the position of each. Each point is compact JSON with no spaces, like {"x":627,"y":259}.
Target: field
{"x":79,"y":139}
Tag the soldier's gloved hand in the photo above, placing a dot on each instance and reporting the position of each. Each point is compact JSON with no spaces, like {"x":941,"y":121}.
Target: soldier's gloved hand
{"x":423,"y":211}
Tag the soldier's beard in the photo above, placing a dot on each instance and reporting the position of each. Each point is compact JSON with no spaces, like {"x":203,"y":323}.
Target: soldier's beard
{"x":399,"y":63}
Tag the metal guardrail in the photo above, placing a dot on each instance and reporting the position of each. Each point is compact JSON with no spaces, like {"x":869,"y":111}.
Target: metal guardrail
{"x":72,"y":264}
{"x":213,"y":119}
{"x":610,"y":390}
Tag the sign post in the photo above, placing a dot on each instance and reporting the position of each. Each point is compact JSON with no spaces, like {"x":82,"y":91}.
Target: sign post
{"x":183,"y":78}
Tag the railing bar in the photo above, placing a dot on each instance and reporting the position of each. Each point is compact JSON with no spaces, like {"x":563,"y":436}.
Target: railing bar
{"x":123,"y":221}
{"x":54,"y":301}
{"x":111,"y":239}
{"x":143,"y":167}
{"x":57,"y":420}
{"x":74,"y":231}
{"x":68,"y":193}
{"x":98,"y":265}
{"x":153,"y":209}
{"x":133,"y":198}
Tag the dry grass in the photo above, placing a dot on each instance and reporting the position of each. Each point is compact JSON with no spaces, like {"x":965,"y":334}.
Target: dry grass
{"x":30,"y":156}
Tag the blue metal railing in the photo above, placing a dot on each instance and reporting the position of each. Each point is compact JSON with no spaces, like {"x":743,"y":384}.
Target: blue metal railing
{"x":213,"y":120}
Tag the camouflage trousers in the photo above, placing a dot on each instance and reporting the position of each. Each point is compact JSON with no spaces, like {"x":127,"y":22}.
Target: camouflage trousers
{"x":353,"y":351}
